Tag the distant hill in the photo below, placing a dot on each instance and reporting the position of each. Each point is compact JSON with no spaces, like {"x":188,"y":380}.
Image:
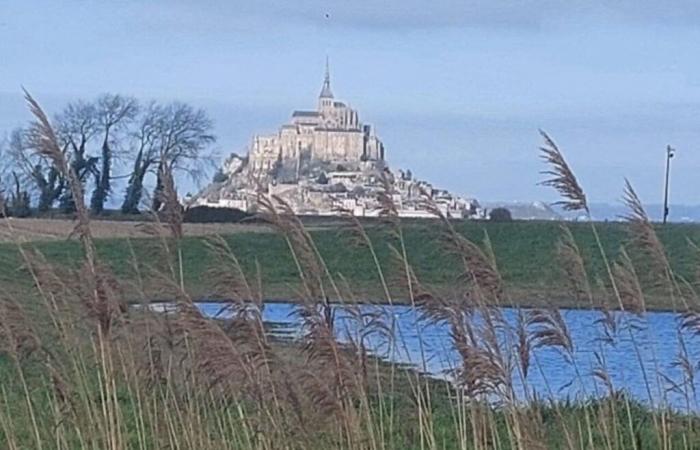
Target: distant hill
{"x":525,"y":210}
{"x":599,"y":211}
{"x":677,"y":213}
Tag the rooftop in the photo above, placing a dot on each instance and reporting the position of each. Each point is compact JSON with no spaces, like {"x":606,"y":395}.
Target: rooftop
{"x":305,"y":114}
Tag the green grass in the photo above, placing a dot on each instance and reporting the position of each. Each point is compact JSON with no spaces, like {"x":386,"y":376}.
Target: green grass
{"x":524,"y":253}
{"x":547,"y":420}
{"x":175,"y":381}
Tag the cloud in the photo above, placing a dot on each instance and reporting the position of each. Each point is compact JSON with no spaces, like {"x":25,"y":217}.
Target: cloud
{"x":387,"y":15}
{"x":526,"y":14}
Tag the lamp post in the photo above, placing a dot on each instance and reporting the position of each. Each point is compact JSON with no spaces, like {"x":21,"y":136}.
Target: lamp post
{"x":669,"y":154}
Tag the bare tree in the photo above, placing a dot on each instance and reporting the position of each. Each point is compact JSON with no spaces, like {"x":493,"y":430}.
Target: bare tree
{"x":75,"y":127}
{"x":19,"y":202}
{"x":170,"y":138}
{"x":114,"y":113}
{"x":145,"y":146}
{"x":33,"y":170}
{"x":187,"y":133}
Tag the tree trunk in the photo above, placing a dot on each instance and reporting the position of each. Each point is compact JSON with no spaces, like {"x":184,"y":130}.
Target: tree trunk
{"x":134,"y":189}
{"x":158,"y":191}
{"x":102,"y":183}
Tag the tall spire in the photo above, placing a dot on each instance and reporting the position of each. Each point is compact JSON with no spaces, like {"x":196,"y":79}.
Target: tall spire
{"x":326,"y":91}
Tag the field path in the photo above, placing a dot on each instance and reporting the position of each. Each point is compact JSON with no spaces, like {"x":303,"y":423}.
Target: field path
{"x":59,"y":229}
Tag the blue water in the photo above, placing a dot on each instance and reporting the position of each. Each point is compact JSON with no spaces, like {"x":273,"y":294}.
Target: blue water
{"x":642,"y":362}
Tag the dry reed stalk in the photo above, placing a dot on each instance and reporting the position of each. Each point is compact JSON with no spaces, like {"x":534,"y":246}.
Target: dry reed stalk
{"x":245,"y":326}
{"x":364,"y":323}
{"x":690,"y":322}
{"x":381,"y":324}
{"x":44,"y":140}
{"x":482,"y":373}
{"x":659,"y":271}
{"x":642,"y":232}
{"x":562,"y":178}
{"x":343,"y":378}
{"x":485,"y":295}
{"x":600,"y":372}
{"x":645,"y":241}
{"x":573,"y":266}
{"x":548,"y":329}
{"x":485,"y":369}
{"x":69,"y":324}
{"x":230,"y":281}
{"x":686,"y":387}
{"x":280,"y":215}
{"x":532,"y":430}
{"x":17,"y":335}
{"x":565,"y":183}
{"x":405,"y":278}
{"x":523,"y":347}
{"x":53,"y":287}
{"x":101,"y":295}
{"x":362,"y":240}
{"x":480,"y":270}
{"x":222,"y":360}
{"x":19,"y":341}
{"x":629,"y":288}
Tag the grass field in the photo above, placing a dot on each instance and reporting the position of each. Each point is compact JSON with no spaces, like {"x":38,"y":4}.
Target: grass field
{"x":80,"y":368}
{"x":77,"y":371}
{"x":524,"y":253}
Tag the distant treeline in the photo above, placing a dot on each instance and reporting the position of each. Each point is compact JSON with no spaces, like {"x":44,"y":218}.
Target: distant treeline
{"x":207,"y":214}
{"x":105,"y":140}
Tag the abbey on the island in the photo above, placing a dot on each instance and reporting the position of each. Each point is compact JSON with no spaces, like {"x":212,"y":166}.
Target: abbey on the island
{"x":333,"y":133}
{"x":325,"y":162}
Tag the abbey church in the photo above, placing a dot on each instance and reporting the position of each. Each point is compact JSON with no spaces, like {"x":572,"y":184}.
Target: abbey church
{"x":325,"y":162}
{"x":333,"y":133}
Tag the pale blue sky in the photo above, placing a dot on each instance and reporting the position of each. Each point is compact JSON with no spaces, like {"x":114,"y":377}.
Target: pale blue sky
{"x":456,"y":89}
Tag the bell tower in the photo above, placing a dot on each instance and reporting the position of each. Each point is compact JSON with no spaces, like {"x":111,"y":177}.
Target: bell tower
{"x":325,"y":99}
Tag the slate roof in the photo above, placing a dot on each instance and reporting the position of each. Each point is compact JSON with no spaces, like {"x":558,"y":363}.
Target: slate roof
{"x":305,"y":114}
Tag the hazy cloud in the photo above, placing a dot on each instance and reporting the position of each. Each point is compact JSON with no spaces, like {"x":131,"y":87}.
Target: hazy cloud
{"x":401,"y":14}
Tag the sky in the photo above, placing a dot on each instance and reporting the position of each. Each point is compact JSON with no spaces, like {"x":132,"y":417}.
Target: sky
{"x":457,"y":89}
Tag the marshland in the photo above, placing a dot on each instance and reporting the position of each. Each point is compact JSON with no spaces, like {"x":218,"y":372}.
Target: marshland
{"x":433,"y":335}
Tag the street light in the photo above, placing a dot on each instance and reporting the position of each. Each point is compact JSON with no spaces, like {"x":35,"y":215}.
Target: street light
{"x":669,"y":154}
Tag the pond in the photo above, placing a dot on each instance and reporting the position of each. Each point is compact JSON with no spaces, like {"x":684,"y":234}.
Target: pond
{"x":643,"y":360}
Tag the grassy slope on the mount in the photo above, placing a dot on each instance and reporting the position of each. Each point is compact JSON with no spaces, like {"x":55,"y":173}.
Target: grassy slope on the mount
{"x":525,"y":254}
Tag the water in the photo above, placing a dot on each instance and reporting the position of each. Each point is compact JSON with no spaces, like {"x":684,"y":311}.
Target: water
{"x":652,"y":344}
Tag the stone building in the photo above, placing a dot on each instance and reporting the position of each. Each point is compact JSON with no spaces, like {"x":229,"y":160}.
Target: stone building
{"x":326,"y":162}
{"x":332,"y":134}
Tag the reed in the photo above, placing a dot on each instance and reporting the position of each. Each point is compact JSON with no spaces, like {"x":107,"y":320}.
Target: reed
{"x":80,"y":368}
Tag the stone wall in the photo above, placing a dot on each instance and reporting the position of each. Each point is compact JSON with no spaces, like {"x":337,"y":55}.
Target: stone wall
{"x":334,"y":135}
{"x":338,"y":145}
